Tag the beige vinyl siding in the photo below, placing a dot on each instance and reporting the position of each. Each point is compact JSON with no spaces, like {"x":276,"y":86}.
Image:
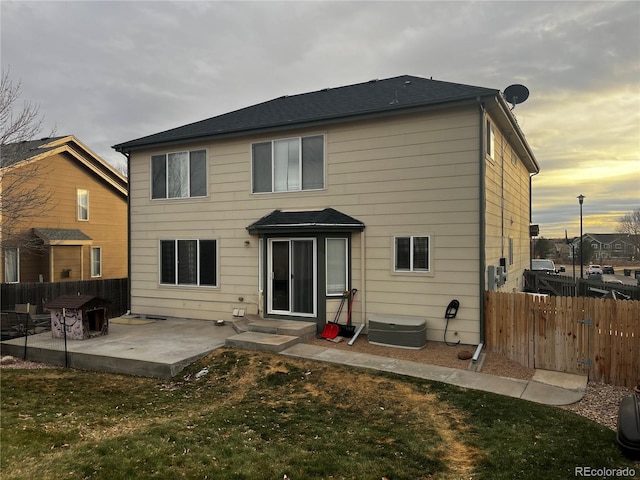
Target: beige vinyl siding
{"x":507,"y":211}
{"x":411,"y":175}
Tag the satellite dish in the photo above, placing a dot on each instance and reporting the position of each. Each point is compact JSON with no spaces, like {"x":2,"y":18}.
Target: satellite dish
{"x":516,"y":94}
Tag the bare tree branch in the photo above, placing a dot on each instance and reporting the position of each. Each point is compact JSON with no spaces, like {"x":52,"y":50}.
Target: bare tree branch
{"x":629,"y":224}
{"x":23,"y":195}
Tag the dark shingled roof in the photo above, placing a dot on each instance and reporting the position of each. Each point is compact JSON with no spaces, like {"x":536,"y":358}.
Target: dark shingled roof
{"x":331,"y":104}
{"x":75,"y":301}
{"x":53,"y":234}
{"x":316,"y":220}
{"x":13,"y":153}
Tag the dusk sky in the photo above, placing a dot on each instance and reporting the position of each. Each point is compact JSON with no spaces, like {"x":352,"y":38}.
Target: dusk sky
{"x":108,"y":72}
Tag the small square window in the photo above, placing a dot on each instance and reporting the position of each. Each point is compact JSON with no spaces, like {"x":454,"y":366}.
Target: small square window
{"x":412,"y":254}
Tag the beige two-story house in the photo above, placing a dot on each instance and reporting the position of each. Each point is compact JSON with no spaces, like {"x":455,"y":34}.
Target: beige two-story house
{"x":63,"y":213}
{"x":409,"y":189}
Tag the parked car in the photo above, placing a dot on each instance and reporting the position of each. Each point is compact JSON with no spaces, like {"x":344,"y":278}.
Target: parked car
{"x":543,"y":265}
{"x":594,"y":270}
{"x":608,"y":270}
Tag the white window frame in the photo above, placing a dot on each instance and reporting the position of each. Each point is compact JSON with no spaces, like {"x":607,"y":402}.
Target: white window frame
{"x":80,"y":194}
{"x":176,"y":262}
{"x":411,"y":269}
{"x":7,"y":268}
{"x":300,"y":165}
{"x":491,"y":140}
{"x":96,"y":272}
{"x":166,"y":156}
{"x":330,"y":292}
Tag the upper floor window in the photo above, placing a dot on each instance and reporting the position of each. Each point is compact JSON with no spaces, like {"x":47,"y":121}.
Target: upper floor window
{"x":179,"y":175}
{"x":490,"y":140}
{"x":83,"y":204}
{"x":292,"y":164}
{"x":411,"y":254}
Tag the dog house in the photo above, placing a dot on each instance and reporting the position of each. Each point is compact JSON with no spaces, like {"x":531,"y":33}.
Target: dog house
{"x":81,"y":316}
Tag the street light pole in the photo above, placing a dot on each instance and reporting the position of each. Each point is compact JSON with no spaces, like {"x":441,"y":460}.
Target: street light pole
{"x":581,"y":200}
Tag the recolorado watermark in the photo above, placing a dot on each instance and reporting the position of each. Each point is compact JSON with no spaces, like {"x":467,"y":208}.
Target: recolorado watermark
{"x":604,"y":472}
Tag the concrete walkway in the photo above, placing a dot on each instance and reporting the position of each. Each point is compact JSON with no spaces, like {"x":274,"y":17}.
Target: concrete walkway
{"x":550,"y":388}
{"x":163,"y":348}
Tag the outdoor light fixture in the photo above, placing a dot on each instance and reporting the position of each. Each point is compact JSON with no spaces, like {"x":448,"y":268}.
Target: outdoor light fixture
{"x":581,"y":200}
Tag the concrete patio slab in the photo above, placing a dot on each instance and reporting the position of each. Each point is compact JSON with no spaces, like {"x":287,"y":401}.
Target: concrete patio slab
{"x":159,"y":349}
{"x":163,"y":348}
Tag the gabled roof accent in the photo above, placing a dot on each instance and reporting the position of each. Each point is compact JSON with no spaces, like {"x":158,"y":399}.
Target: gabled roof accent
{"x":62,"y":236}
{"x":328,"y":219}
{"x":14,"y":154}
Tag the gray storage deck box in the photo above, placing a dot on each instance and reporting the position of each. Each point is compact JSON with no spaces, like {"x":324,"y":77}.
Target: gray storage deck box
{"x":398,"y":331}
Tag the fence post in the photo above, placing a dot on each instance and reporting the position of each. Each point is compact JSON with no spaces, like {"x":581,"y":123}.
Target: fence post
{"x":25,"y":331}
{"x":64,"y":329}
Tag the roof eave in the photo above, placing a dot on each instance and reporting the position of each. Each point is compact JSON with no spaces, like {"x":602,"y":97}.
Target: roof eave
{"x":511,"y":124}
{"x":128,"y":147}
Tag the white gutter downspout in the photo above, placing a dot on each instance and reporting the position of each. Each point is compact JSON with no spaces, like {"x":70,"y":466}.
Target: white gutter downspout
{"x":363,"y":281}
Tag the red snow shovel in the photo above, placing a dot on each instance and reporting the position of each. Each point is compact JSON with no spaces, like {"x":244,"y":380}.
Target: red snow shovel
{"x":331,"y":329}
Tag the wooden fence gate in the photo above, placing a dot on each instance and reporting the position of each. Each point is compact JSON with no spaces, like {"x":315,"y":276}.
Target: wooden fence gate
{"x":592,"y":336}
{"x":561,"y":336}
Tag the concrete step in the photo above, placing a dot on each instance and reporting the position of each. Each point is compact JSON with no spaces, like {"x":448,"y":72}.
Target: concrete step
{"x":265,"y":342}
{"x":255,"y":323}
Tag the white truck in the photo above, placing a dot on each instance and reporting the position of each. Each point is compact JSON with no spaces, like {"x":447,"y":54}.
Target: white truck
{"x":545,"y":265}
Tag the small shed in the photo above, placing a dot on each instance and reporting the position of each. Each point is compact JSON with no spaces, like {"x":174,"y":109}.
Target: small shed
{"x":82,"y":316}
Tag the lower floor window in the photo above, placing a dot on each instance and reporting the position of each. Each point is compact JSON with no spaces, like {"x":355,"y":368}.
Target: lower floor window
{"x":411,"y":254}
{"x":188,"y":262}
{"x":11,"y":265}
{"x":336,"y":257}
{"x":96,"y":261}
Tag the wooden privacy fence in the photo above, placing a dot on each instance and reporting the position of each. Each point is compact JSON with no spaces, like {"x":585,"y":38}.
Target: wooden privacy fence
{"x":115,"y":289}
{"x":591,"y":336}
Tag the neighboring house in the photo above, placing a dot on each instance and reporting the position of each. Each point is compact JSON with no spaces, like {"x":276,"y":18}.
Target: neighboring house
{"x":407,"y":189}
{"x":74,"y":223}
{"x":608,"y":246}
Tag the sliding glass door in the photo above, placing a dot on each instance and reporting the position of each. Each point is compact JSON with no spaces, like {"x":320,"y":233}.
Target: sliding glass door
{"x":292,"y":276}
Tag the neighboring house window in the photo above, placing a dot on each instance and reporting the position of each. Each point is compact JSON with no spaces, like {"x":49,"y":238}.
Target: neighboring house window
{"x":179,"y":175}
{"x":96,"y":261}
{"x":11,"y":265}
{"x":188,"y":262}
{"x":336,"y":260}
{"x":618,"y":246}
{"x":83,"y":204}
{"x":411,"y":254}
{"x":291,"y":164}
{"x":490,"y":140}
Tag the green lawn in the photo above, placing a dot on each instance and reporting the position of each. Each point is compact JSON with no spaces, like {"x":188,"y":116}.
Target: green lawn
{"x":261,"y":416}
